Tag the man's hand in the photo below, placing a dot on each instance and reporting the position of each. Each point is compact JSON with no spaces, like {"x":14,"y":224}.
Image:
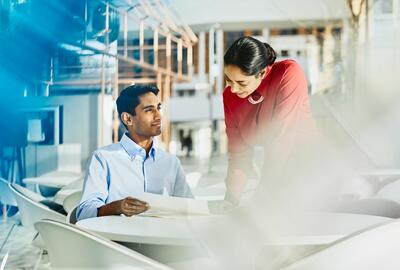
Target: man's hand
{"x":128,"y":206}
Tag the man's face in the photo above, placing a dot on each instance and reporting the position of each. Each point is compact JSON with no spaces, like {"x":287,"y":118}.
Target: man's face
{"x":147,"y":121}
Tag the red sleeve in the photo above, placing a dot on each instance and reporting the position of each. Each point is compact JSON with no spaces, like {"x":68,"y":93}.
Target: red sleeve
{"x":291,"y":106}
{"x":290,"y":96}
{"x":236,"y":145}
{"x":240,"y":155}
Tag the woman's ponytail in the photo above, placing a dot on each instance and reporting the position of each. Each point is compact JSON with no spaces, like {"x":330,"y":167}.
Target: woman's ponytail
{"x":250,"y":55}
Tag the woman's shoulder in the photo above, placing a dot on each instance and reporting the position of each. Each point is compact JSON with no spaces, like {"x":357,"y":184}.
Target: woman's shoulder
{"x":286,"y":64}
{"x":288,"y":69}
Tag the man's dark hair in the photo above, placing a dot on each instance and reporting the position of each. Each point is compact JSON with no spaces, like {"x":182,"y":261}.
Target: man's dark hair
{"x":128,"y":100}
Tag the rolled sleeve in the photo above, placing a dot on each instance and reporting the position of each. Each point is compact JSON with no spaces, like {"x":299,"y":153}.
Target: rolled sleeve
{"x":240,"y":155}
{"x":95,"y":189}
{"x":291,"y":109}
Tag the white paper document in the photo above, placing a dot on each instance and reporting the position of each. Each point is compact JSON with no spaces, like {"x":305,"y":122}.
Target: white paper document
{"x":170,"y":206}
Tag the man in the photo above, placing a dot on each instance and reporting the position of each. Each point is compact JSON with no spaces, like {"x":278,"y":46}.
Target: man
{"x":119,"y":171}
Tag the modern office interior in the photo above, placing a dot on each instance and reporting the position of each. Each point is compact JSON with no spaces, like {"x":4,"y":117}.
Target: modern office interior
{"x":63,"y":65}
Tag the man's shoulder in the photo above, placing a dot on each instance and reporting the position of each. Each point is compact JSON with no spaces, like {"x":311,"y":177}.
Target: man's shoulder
{"x":108,"y":150}
{"x":161,"y":154}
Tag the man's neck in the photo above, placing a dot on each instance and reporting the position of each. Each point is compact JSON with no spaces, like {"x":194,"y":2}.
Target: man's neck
{"x":144,"y":142}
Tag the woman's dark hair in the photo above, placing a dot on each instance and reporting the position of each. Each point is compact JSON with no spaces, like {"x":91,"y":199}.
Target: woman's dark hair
{"x":250,"y":55}
{"x":128,"y":100}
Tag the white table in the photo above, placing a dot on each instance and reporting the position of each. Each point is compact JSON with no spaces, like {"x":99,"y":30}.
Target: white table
{"x":172,"y":240}
{"x":167,"y":240}
{"x":215,"y":192}
{"x":140,"y":229}
{"x":310,"y":229}
{"x":321,"y":228}
{"x":56,"y":179}
{"x":381,"y":172}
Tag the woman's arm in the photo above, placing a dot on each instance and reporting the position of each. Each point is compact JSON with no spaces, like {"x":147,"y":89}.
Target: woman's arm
{"x":240,"y":158}
{"x":291,"y":118}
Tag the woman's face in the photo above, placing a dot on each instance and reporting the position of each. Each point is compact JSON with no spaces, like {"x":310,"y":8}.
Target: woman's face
{"x":242,"y":85}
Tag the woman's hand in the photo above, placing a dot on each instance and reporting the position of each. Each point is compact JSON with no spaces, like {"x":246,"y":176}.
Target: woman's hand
{"x":220,"y":207}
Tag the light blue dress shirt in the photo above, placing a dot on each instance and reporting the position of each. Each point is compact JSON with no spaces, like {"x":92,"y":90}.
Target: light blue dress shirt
{"x":122,"y":169}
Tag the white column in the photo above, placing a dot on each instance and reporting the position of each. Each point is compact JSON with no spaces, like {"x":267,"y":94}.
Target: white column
{"x":202,"y":56}
{"x":220,"y":60}
{"x":265,"y":34}
{"x":211,"y":58}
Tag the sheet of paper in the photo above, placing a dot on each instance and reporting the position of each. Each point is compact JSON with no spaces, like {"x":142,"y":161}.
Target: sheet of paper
{"x":161,"y":205}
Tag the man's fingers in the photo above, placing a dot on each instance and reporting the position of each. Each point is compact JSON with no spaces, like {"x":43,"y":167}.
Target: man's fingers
{"x":134,"y":206}
{"x":133,"y":210}
{"x":135,"y":201}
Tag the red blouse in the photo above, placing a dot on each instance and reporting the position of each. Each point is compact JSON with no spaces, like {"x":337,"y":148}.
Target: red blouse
{"x":278,"y":123}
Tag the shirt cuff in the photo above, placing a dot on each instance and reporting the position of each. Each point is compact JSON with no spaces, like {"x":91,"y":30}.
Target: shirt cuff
{"x":88,"y":210}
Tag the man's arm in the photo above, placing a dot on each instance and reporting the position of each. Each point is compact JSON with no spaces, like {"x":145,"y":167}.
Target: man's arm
{"x":181,"y":188}
{"x":95,"y":193}
{"x":95,"y":188}
{"x":128,"y":206}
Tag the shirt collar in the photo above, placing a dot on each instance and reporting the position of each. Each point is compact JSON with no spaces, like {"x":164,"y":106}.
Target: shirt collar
{"x":133,"y":149}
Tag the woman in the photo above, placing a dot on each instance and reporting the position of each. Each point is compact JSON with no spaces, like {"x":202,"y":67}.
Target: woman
{"x":266,"y":103}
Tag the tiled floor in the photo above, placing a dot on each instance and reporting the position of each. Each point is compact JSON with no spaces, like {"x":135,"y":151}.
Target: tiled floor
{"x":17,"y":251}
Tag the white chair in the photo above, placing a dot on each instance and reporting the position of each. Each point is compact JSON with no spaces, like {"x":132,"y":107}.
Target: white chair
{"x":372,"y":206}
{"x":69,"y":157}
{"x":71,"y":217}
{"x":6,"y":196}
{"x":193,"y":179}
{"x":31,"y":210}
{"x":68,"y":169}
{"x":390,"y":192}
{"x":72,"y":200}
{"x":372,"y":249}
{"x":68,"y":163}
{"x":94,"y":251}
{"x":64,"y":192}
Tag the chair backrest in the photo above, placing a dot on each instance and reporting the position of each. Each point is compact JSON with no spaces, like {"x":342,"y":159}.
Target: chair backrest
{"x":72,"y":200}
{"x":371,"y":206}
{"x":376,"y":248}
{"x":94,"y":251}
{"x":35,"y":131}
{"x":69,"y":158}
{"x":6,"y":195}
{"x":77,"y":184}
{"x":71,"y":217}
{"x":32,"y":210}
{"x":27,"y":193}
{"x":390,"y":192}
